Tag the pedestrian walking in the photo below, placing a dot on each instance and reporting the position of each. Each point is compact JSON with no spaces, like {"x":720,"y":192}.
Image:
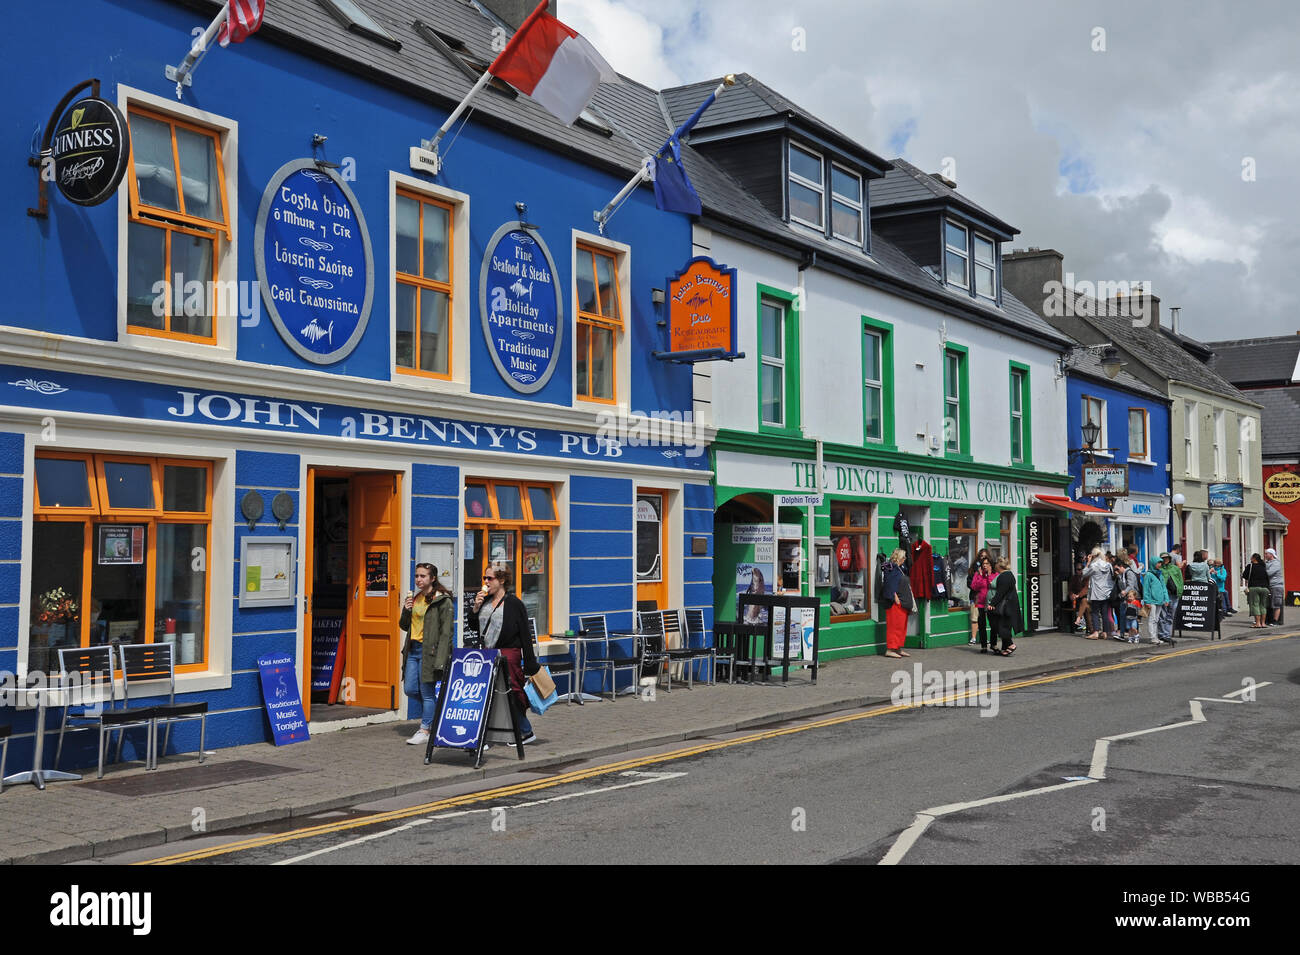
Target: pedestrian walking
{"x":427,"y":615}
{"x":1256,"y":577}
{"x":502,"y":621}
{"x":980,"y":585}
{"x":899,"y":602}
{"x":1276,"y":586}
{"x":1219,"y":575}
{"x":1004,"y":608}
{"x":975,"y":567}
{"x":1100,"y":578}
{"x":1155,"y":597}
{"x":1173,"y":574}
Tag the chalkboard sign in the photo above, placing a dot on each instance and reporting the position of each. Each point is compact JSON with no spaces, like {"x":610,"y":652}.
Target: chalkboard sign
{"x":283,"y":704}
{"x":1198,"y":608}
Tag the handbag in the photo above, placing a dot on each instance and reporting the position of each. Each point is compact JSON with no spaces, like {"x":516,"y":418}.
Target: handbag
{"x":536,"y":702}
{"x":542,"y":680}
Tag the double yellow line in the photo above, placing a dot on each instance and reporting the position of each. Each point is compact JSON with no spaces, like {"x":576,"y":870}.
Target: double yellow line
{"x":502,"y":792}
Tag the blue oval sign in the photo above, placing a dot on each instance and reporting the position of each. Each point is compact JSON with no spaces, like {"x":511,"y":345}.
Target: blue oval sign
{"x":314,"y":261}
{"x":520,"y":307}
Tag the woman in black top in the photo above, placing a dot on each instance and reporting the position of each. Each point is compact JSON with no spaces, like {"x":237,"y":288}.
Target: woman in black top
{"x":502,"y":622}
{"x":1004,"y":609}
{"x":1256,"y":577}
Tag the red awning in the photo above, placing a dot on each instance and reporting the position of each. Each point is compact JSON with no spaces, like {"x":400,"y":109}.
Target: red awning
{"x":1065,"y":504}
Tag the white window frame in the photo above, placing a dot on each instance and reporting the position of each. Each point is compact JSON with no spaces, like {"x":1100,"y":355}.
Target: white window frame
{"x":819,"y":188}
{"x":622,"y":254}
{"x":1191,"y":436}
{"x":1102,"y":442}
{"x":845,"y":201}
{"x":976,"y":265}
{"x":877,"y":384}
{"x":225,"y":326}
{"x":461,"y":289}
{"x":1018,"y":416}
{"x":1220,"y":444}
{"x":777,"y":363}
{"x":963,"y":252}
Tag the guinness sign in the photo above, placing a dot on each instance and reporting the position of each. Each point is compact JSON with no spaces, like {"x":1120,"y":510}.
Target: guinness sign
{"x":91,"y":147}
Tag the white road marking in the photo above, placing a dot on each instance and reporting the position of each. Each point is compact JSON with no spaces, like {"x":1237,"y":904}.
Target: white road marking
{"x":1096,"y":773}
{"x":644,"y":779}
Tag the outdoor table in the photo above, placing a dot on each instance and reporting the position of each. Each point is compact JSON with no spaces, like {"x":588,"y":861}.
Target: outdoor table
{"x":578,"y":645}
{"x":39,"y":776}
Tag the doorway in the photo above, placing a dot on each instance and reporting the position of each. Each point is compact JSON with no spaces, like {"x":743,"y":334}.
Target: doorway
{"x":352,"y":605}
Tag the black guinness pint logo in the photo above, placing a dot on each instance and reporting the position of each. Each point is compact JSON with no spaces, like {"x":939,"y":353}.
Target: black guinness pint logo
{"x":91,"y":148}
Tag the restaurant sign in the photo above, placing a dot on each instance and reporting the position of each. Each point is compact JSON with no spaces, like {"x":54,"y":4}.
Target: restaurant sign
{"x":1283,"y":487}
{"x":314,"y":261}
{"x":702,"y":308}
{"x":520,"y":307}
{"x":1105,"y":480}
{"x":91,"y":147}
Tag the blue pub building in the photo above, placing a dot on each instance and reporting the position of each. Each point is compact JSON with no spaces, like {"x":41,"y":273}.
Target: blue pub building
{"x":284,"y":359}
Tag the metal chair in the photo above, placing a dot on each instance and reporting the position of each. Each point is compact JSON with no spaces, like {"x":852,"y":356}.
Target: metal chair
{"x":683,"y":652}
{"x":654,"y":643}
{"x":695,"y":627}
{"x":5,"y":730}
{"x":593,"y":625}
{"x":88,"y":673}
{"x":155,"y":662}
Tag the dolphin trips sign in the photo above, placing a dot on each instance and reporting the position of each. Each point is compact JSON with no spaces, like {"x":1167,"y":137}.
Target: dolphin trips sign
{"x":88,"y":394}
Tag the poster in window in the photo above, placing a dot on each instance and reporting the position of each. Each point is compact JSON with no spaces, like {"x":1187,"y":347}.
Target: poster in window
{"x":121,"y":544}
{"x":376,"y":573}
{"x":750,"y":579}
{"x":823,"y":566}
{"x":534,"y":553}
{"x":649,"y":539}
{"x":498,"y":552}
{"x":470,"y":537}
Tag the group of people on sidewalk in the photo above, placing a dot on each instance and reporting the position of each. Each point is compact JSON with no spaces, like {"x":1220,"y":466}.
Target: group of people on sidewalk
{"x":499,"y":618}
{"x":1116,"y":597}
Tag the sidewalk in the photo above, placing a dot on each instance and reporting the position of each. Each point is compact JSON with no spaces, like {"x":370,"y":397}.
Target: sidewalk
{"x":131,"y":809}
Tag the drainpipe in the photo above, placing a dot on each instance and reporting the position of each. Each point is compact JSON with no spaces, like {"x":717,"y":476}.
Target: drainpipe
{"x":809,"y":261}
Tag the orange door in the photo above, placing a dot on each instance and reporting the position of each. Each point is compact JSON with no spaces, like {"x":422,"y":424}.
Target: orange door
{"x":652,"y":547}
{"x":373,"y":614}
{"x":308,"y":569}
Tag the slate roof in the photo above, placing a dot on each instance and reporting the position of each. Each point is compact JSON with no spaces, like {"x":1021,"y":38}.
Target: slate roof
{"x":753,"y":100}
{"x":636,"y":112}
{"x":1279,"y":421}
{"x":906,"y":185}
{"x":1256,"y":361}
{"x":1273,"y":516}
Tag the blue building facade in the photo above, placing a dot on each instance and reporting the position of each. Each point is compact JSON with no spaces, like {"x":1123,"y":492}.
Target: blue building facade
{"x":282,"y":331}
{"x":1134,"y":435}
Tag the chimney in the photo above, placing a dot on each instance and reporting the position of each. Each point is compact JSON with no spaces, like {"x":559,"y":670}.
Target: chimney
{"x":514,"y":12}
{"x":1027,"y":275}
{"x":1173,"y":317}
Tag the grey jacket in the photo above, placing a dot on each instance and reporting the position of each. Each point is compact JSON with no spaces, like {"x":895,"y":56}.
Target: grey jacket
{"x":1099,"y":575}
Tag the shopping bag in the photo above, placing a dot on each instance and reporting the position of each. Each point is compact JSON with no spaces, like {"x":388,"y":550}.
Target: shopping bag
{"x":537,"y":703}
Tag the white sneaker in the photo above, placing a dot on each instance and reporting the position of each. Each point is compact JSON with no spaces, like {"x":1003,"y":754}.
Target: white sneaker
{"x":421,"y":737}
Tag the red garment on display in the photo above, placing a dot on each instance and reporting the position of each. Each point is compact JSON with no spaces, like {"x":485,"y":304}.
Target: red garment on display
{"x":859,"y":553}
{"x":844,"y":553}
{"x":922,"y":574}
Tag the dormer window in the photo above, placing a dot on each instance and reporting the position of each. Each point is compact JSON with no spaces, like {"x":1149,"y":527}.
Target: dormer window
{"x":807,"y":186}
{"x":846,"y":205}
{"x":970,"y":258}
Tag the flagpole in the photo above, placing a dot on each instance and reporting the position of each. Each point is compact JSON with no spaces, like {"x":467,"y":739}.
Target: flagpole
{"x":515,"y":40}
{"x":181,"y":74}
{"x":644,"y":173}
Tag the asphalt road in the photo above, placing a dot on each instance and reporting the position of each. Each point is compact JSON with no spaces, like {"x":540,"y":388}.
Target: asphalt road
{"x":1220,"y":784}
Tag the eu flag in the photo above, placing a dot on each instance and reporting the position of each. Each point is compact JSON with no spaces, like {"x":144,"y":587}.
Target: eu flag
{"x":673,"y":190}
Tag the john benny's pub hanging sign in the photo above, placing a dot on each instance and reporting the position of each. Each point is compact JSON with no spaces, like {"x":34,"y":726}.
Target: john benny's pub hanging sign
{"x":521,"y":307}
{"x":314,"y":261}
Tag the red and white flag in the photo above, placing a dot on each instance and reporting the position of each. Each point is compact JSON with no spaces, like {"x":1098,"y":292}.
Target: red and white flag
{"x":243,"y":20}
{"x":553,"y":64}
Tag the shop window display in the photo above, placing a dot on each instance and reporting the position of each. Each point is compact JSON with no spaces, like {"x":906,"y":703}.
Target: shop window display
{"x":850,"y":560}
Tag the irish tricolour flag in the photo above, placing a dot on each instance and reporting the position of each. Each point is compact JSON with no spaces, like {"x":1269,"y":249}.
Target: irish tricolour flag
{"x":552,"y":64}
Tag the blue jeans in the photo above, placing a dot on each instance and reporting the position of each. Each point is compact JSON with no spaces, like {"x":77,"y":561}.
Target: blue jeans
{"x":424,"y":693}
{"x":1167,"y":620}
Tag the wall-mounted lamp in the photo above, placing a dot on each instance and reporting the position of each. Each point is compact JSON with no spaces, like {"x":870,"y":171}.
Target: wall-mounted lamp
{"x":1107,"y":352}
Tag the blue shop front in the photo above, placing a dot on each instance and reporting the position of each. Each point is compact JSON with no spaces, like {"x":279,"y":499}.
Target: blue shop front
{"x":243,"y":396}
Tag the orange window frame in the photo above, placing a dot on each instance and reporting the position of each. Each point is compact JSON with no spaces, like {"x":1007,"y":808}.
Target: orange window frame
{"x":603,"y":318}
{"x":420,"y":282}
{"x":529,"y":522}
{"x":102,"y":513}
{"x":172,"y":221}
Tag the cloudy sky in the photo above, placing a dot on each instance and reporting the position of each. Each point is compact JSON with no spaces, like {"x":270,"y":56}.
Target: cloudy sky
{"x":1144,"y":139}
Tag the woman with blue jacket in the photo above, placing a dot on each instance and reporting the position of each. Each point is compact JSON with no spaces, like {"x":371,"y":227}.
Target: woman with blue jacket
{"x":1155,"y":597}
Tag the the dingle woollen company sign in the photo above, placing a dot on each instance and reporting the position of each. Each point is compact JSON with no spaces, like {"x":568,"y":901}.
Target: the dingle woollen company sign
{"x":90,"y":148}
